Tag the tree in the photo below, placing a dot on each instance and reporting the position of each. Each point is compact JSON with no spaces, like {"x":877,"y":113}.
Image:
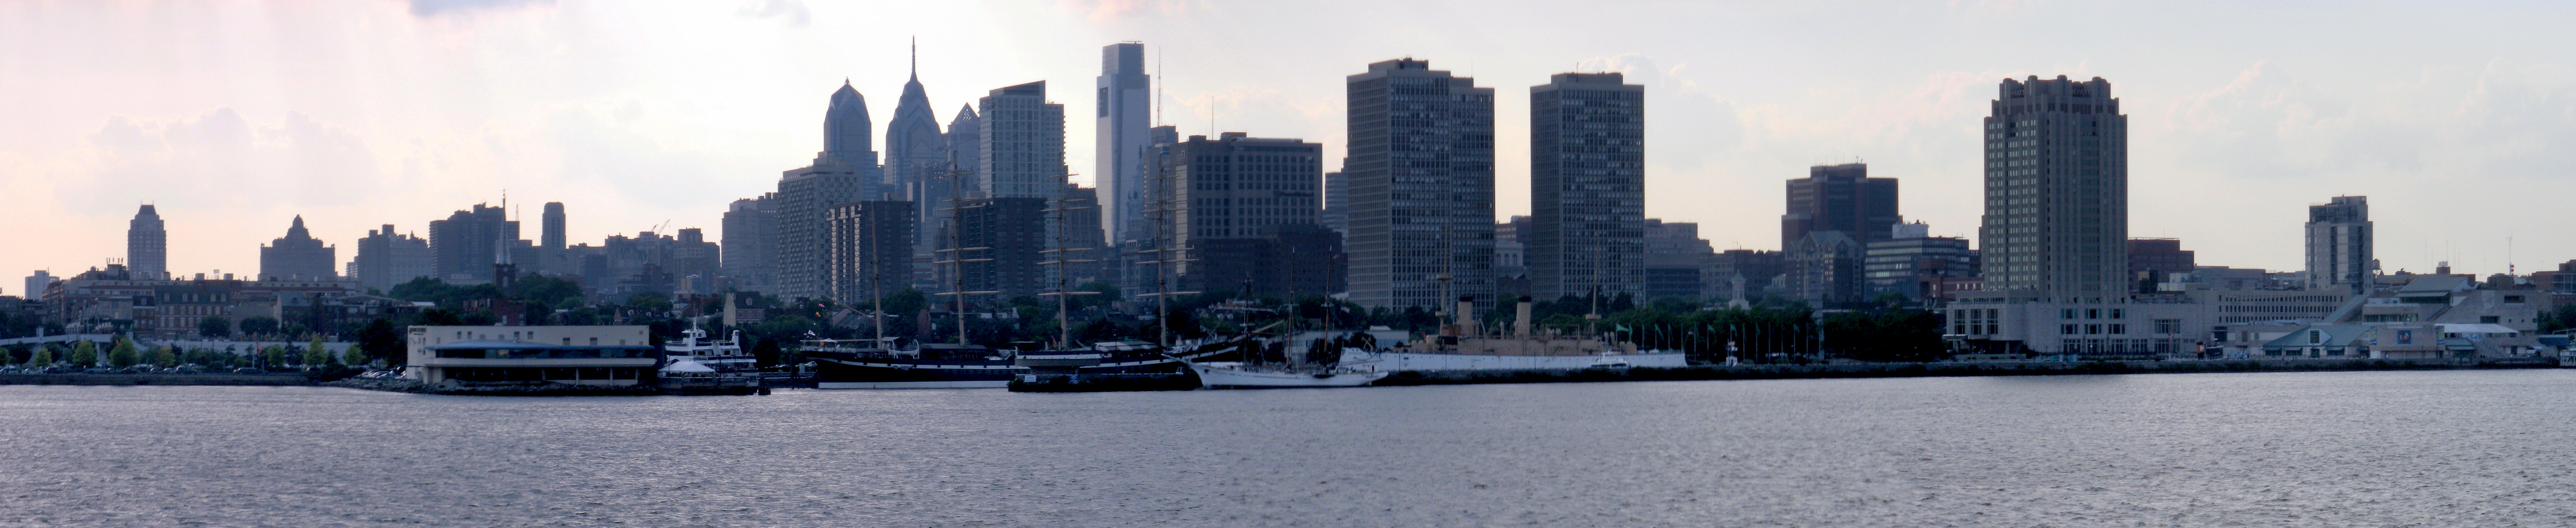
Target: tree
{"x":123,"y":355}
{"x":84,"y":354}
{"x":440,"y":317}
{"x":314,"y":354}
{"x":273,"y":357}
{"x":650,"y":301}
{"x":549,"y":291}
{"x":165,"y":356}
{"x":259,"y":325}
{"x":380,"y":341}
{"x":214,"y":327}
{"x":44,"y":357}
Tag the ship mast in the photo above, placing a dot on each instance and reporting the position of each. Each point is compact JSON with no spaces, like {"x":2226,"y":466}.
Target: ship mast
{"x":1063,"y":293}
{"x":956,"y":251}
{"x":1167,"y":250}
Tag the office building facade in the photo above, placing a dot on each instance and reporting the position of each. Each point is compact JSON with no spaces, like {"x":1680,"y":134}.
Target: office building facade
{"x":869,"y":247}
{"x":147,"y":245}
{"x":1021,"y":150}
{"x":845,"y":171}
{"x":2339,"y":245}
{"x":1587,"y":186}
{"x":1124,"y":114}
{"x":1839,"y":198}
{"x":298,"y":256}
{"x":1421,"y":174}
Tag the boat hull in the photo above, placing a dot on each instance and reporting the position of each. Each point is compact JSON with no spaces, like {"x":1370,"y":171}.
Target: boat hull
{"x":1225,"y":377}
{"x":1400,"y":361}
{"x":912,"y":373}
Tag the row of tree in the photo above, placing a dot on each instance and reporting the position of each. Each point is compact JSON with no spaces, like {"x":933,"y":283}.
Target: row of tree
{"x":124,"y":353}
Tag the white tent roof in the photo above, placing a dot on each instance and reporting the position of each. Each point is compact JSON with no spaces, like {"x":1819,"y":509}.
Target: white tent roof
{"x":2477,"y":328}
{"x":687,"y":366}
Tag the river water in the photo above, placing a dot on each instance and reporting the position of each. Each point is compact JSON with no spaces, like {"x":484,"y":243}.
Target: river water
{"x":2449,"y":448}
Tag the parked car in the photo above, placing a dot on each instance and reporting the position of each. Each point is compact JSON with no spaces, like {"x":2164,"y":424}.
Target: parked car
{"x":248,"y":370}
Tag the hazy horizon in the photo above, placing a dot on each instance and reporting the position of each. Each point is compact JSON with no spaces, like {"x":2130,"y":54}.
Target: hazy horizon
{"x":234,"y":117}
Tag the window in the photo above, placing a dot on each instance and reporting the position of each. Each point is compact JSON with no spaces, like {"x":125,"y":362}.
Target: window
{"x":2119,"y":313}
{"x":2092,"y":313}
{"x":2489,"y":319}
{"x":2068,"y":313}
{"x":2117,"y":328}
{"x":2315,"y":337}
{"x":2066,"y":329}
{"x":2092,"y":329}
{"x":2168,"y":326}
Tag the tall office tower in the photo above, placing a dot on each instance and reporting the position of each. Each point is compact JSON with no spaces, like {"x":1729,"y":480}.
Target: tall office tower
{"x":751,"y":242}
{"x":845,"y":171}
{"x":914,"y":149}
{"x":1840,"y":198}
{"x":386,"y":259}
{"x":1238,"y":204}
{"x":550,"y":240}
{"x":462,"y":245}
{"x":2057,"y":192}
{"x":1421,"y":173}
{"x":2339,"y":253}
{"x":1587,"y":186}
{"x":1125,"y":115}
{"x":297,"y":256}
{"x":37,"y":283}
{"x":1337,"y":210}
{"x":1022,"y":143}
{"x":869,"y":244}
{"x":147,"y":246}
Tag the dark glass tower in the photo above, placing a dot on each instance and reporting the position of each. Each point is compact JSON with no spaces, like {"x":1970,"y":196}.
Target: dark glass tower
{"x":1421,"y":175}
{"x":1587,"y":186}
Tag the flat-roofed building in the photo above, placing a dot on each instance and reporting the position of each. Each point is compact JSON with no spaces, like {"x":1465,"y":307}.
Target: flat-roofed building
{"x":572,"y":355}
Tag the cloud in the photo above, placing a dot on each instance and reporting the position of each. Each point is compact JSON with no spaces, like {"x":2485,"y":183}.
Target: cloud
{"x":1106,"y":10}
{"x":434,"y":8}
{"x":793,"y":12}
{"x":222,"y":158}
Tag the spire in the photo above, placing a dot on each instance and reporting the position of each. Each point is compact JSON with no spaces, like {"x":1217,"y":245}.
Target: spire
{"x":916,"y":58}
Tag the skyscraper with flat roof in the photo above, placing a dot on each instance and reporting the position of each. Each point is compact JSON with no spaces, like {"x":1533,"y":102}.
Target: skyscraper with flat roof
{"x":1022,"y":149}
{"x":2057,"y":192}
{"x":750,"y":242}
{"x":1124,"y":114}
{"x":1840,"y":198}
{"x":1587,"y":186}
{"x":147,"y":245}
{"x":2339,"y":250}
{"x":386,"y":258}
{"x":1421,"y":175}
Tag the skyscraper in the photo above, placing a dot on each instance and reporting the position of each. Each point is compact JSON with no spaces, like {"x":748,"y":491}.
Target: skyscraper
{"x":1022,"y":148}
{"x":869,"y":244}
{"x":2339,"y":251}
{"x":1244,"y":208}
{"x":751,"y":242}
{"x":1840,"y":198}
{"x":1421,"y":174}
{"x":2057,"y":194}
{"x":915,"y":151}
{"x":1125,"y":104}
{"x":385,"y":258}
{"x":550,"y":240}
{"x":37,"y":283}
{"x":147,"y":246}
{"x":297,"y":256}
{"x":846,"y":170}
{"x":1587,"y":186}
{"x":462,"y":246}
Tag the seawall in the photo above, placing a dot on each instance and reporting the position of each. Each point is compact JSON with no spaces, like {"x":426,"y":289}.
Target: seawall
{"x":210,"y":378}
{"x":1969,"y":368}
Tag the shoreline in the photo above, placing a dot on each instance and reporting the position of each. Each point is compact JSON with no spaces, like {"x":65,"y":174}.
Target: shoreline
{"x":1948,"y":369}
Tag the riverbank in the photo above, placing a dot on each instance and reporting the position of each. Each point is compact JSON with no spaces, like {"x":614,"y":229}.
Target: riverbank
{"x":209,"y":378}
{"x":1947,"y":369}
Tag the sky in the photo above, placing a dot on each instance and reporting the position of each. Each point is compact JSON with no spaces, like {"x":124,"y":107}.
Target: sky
{"x":2458,"y":120}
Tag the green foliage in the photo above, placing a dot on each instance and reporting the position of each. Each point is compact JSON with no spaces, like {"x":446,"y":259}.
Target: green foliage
{"x":123,"y":355}
{"x":259,"y":325}
{"x":273,"y":357}
{"x":214,"y":327}
{"x":906,"y":302}
{"x":315,"y":353}
{"x":165,"y":356}
{"x":379,"y":340}
{"x":650,"y":301}
{"x":44,"y":356}
{"x":549,"y":291}
{"x":478,"y":318}
{"x":1886,"y":335}
{"x":2559,"y":320}
{"x":353,"y":355}
{"x":440,"y":317}
{"x":84,"y":354}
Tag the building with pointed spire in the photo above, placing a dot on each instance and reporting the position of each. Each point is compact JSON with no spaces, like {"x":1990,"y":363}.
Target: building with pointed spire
{"x":915,"y":150}
{"x":147,"y":245}
{"x":461,"y":245}
{"x":846,"y":170}
{"x":297,"y":256}
{"x":1124,"y":115}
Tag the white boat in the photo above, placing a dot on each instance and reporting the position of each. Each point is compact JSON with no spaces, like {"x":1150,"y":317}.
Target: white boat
{"x":1236,"y":375}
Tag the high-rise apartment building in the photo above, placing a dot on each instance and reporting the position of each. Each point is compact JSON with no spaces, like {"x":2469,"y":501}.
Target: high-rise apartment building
{"x":551,"y":240}
{"x":1022,"y":143}
{"x":1125,"y":104}
{"x":750,"y":242}
{"x":1421,"y":173}
{"x":464,"y":244}
{"x":845,"y":171}
{"x":37,"y":283}
{"x":2057,"y":192}
{"x":2339,"y":247}
{"x":1003,"y":241}
{"x":297,"y":256}
{"x":147,"y":246}
{"x":385,"y":259}
{"x":1840,"y":198}
{"x":869,"y":246}
{"x":1587,"y":186}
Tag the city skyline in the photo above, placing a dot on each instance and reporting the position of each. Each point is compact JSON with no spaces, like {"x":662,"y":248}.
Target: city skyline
{"x":2269,"y":125}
